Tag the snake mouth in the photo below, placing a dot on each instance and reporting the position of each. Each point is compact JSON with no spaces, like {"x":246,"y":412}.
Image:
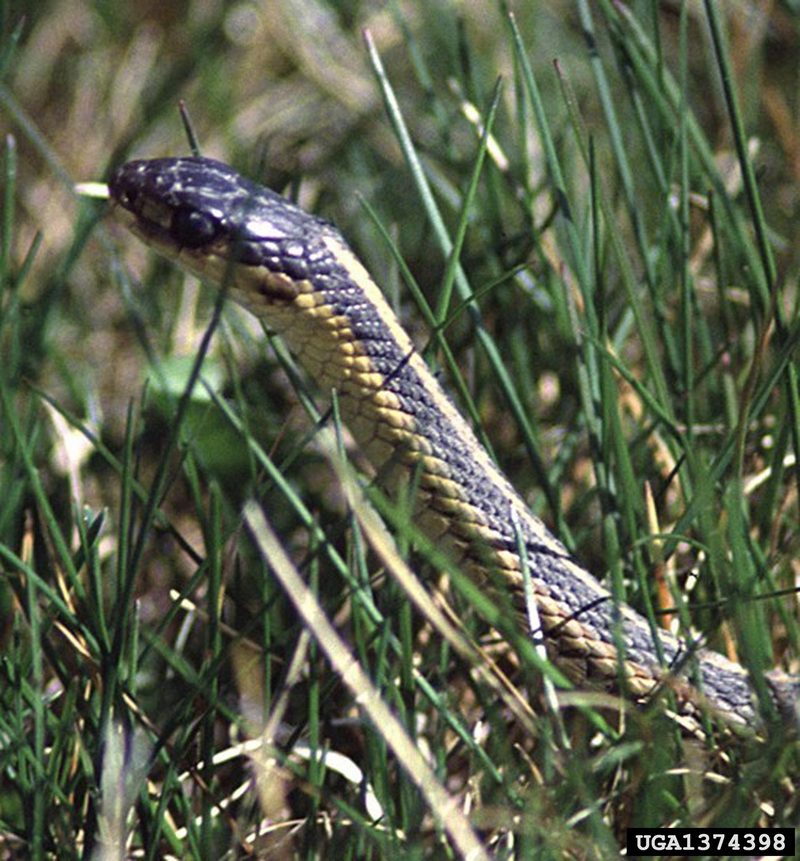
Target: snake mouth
{"x":153,"y":225}
{"x":214,"y":263}
{"x":153,"y":233}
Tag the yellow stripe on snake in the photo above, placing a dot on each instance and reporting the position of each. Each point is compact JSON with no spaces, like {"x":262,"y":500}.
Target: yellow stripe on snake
{"x":296,"y":272}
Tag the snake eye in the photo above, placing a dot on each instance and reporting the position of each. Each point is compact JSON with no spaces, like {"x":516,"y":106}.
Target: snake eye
{"x":191,"y":228}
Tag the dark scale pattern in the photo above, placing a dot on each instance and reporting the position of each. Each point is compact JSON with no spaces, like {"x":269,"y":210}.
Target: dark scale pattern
{"x":596,"y":609}
{"x":392,"y":362}
{"x":241,"y":210}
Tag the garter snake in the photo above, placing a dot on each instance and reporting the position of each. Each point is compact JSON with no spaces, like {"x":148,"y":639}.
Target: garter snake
{"x":295,"y":271}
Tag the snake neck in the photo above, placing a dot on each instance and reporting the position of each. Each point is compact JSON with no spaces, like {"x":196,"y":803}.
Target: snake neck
{"x":348,"y":339}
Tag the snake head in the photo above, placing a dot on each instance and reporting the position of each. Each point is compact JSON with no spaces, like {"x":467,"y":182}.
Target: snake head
{"x":217,"y":224}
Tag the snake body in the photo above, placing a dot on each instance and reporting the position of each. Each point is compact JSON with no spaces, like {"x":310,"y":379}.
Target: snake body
{"x":295,"y":271}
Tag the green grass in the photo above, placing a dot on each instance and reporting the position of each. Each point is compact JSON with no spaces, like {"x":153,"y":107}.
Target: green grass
{"x":599,"y":257}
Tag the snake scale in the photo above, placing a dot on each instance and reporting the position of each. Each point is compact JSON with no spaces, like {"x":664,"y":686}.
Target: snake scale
{"x":296,"y":272}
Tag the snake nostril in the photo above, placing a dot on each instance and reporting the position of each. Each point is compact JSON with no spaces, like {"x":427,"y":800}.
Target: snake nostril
{"x":191,"y":228}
